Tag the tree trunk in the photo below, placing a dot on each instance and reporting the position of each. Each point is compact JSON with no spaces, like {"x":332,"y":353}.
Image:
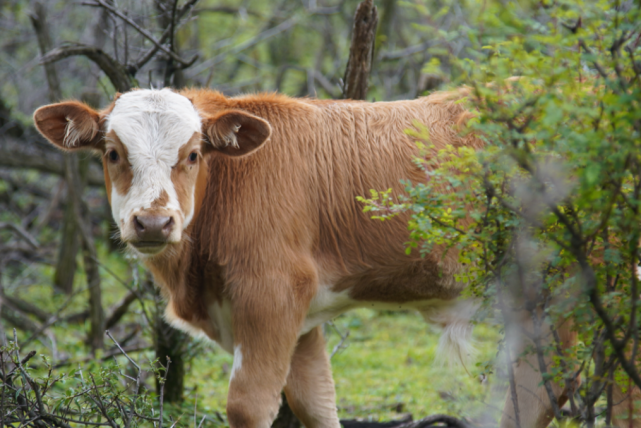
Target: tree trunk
{"x":361,"y":51}
{"x":65,"y":272}
{"x":170,"y":344}
{"x":75,"y":186}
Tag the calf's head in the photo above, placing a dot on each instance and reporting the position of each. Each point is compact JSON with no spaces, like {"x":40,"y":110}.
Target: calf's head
{"x":154,"y":146}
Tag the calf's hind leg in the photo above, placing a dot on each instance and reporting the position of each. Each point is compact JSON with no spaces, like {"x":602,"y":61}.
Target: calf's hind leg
{"x":310,"y":387}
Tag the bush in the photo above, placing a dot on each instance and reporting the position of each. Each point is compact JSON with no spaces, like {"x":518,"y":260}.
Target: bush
{"x":546,"y":217}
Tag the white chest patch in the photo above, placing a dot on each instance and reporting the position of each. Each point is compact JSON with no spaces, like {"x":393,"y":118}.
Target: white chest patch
{"x":238,"y":362}
{"x":326,"y":305}
{"x":152,"y":124}
{"x":220,"y":317}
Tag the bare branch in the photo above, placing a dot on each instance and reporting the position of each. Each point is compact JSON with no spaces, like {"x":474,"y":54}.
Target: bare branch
{"x":121,"y":309}
{"x":21,"y":232}
{"x":26,"y":307}
{"x":115,"y":71}
{"x":261,"y":37}
{"x":388,"y":56}
{"x":30,"y":153}
{"x":39,"y":22}
{"x":152,"y":39}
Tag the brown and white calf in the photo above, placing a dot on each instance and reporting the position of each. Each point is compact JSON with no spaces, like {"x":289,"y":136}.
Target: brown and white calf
{"x":244,"y":209}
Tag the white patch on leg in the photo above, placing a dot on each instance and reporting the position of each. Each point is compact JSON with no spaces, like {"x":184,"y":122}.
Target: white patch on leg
{"x":220,"y":316}
{"x":238,"y":362}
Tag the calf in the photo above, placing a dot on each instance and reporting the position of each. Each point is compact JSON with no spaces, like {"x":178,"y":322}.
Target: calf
{"x":244,"y":210}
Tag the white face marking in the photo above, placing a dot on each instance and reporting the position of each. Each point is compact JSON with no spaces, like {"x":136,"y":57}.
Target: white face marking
{"x":238,"y":362}
{"x":153,"y":125}
{"x":116,"y":204}
{"x":190,"y":215}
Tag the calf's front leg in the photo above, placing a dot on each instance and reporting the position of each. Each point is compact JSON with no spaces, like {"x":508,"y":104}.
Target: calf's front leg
{"x":265,"y":329}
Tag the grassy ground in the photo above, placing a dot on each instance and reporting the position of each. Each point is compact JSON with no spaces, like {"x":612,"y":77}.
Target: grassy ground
{"x":386,"y":369}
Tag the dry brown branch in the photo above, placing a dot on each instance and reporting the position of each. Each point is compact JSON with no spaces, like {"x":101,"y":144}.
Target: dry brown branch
{"x":20,"y":231}
{"x":229,"y":10}
{"x":16,"y":319}
{"x":145,"y":33}
{"x":388,"y":56}
{"x":115,"y":71}
{"x":105,"y":356}
{"x":147,"y":56}
{"x":261,"y":37}
{"x":54,"y":317}
{"x":120,"y":310}
{"x":25,"y":307}
{"x":41,"y":28}
{"x":30,"y":152}
{"x":361,"y":51}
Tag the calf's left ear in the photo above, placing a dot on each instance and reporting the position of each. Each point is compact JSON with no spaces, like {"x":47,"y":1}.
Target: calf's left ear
{"x":236,"y":132}
{"x":69,"y":126}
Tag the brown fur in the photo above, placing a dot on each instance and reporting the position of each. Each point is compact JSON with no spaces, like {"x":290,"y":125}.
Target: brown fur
{"x":185,"y":174}
{"x":272,"y":229}
{"x":285,"y":220}
{"x":161,"y":200}
{"x":69,"y":124}
{"x":310,"y":387}
{"x":117,"y":174}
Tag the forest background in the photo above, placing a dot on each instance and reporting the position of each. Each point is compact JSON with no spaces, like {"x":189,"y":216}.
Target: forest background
{"x":64,"y":278}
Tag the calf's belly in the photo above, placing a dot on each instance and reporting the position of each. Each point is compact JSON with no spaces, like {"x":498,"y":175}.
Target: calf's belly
{"x":328,"y":304}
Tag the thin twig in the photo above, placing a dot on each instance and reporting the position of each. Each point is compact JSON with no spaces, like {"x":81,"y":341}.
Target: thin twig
{"x":22,"y":233}
{"x":340,"y":345}
{"x":152,"y":39}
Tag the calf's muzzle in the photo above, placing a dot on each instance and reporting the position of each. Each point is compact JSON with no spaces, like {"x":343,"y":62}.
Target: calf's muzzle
{"x":152,"y":230}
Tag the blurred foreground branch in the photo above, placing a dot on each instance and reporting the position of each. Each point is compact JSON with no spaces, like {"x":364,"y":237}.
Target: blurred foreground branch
{"x":99,"y":399}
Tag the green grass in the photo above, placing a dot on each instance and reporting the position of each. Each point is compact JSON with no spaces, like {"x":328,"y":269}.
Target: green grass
{"x":387,"y":368}
{"x":389,"y":365}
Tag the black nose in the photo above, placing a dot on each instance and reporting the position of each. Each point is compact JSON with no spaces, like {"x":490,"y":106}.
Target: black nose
{"x":153,"y":228}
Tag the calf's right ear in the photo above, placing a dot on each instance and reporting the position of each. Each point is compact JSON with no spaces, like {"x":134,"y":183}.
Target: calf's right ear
{"x":69,"y":126}
{"x":236,"y":132}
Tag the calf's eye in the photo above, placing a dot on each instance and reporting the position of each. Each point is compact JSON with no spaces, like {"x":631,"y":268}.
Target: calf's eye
{"x":193,"y":157}
{"x":113,"y":156}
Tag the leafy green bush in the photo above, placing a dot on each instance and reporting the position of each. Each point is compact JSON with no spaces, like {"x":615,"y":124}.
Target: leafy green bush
{"x":546,"y":218}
